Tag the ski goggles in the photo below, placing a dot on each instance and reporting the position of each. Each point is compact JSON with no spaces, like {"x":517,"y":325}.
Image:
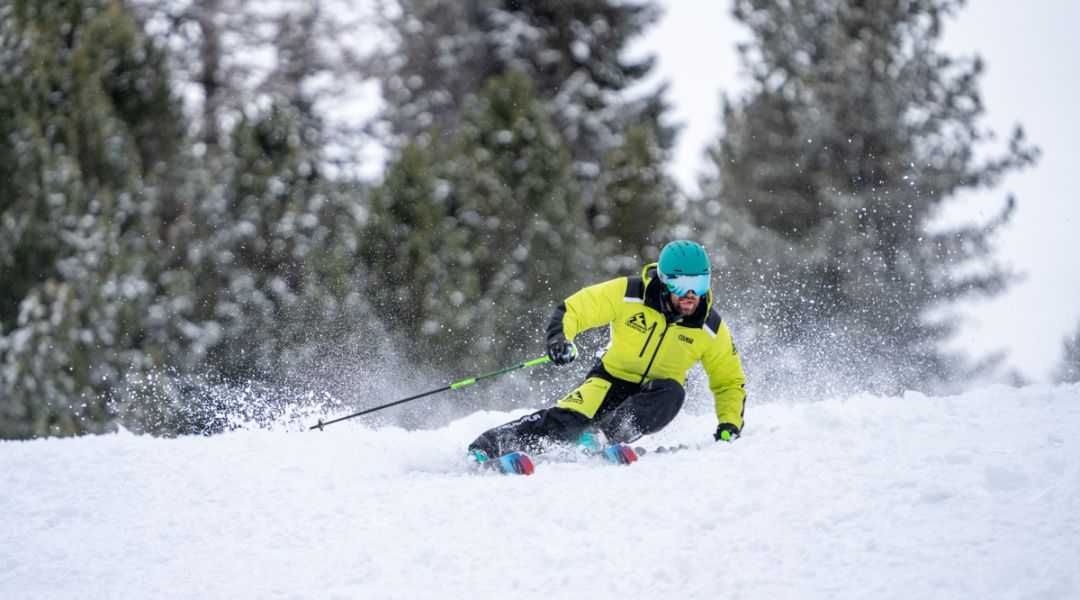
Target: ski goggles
{"x":681,"y":285}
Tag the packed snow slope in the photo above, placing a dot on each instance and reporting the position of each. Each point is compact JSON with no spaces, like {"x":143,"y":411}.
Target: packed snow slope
{"x":969,"y":496}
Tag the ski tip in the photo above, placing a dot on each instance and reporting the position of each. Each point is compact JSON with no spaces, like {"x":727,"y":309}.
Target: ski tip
{"x":526,"y":464}
{"x":516,"y":463}
{"x":621,"y":454}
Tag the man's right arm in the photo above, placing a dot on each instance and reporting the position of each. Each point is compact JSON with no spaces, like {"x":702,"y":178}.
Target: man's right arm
{"x":589,"y":307}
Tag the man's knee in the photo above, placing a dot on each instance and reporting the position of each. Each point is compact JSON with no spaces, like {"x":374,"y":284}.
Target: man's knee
{"x":658,"y":403}
{"x":647,"y":411}
{"x":664,"y":390}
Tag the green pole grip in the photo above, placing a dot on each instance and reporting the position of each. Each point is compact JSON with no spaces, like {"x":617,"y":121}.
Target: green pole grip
{"x":455,"y":386}
{"x":542,"y":359}
{"x":537,"y":361}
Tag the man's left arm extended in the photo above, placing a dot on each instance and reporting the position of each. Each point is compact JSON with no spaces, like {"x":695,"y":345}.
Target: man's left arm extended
{"x":727,"y":383}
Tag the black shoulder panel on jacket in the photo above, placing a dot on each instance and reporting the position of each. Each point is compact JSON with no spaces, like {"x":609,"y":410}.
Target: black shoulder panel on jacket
{"x":713,"y":321}
{"x":635,"y":288}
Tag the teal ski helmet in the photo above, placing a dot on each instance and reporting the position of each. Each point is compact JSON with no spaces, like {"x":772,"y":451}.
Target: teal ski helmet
{"x":684,"y":267}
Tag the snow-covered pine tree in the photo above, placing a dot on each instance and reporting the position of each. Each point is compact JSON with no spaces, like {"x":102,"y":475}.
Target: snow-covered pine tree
{"x":573,"y":52}
{"x":130,"y":255}
{"x":635,"y":210}
{"x":90,"y":129}
{"x":473,"y":237}
{"x":266,"y":281}
{"x":1069,"y":369}
{"x":573,"y":56}
{"x":256,"y":237}
{"x":830,"y":172}
{"x":415,"y":255}
{"x":201,"y":36}
{"x":226,"y":53}
{"x":514,"y":194}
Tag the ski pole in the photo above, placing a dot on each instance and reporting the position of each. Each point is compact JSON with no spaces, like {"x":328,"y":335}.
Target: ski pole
{"x":452,"y":386}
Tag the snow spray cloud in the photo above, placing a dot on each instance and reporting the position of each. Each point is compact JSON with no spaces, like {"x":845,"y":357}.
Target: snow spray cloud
{"x":334,"y":370}
{"x":831,"y":358}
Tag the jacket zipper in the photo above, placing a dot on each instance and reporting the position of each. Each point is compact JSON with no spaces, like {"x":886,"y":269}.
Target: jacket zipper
{"x":645,"y":346}
{"x":653,"y":357}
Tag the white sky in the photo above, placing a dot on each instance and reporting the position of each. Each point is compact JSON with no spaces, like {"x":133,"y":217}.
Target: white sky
{"x":1032,"y":77}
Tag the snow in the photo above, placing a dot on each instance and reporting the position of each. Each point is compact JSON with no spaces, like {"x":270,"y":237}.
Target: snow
{"x":968,"y":496}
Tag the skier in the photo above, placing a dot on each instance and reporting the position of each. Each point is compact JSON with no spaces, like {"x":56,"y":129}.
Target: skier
{"x":662,"y":323}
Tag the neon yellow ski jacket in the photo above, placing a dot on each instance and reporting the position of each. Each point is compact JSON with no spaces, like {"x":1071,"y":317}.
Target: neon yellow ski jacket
{"x":645,"y":345}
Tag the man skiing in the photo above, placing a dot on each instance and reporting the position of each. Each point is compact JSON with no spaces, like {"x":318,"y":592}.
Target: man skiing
{"x":662,"y":323}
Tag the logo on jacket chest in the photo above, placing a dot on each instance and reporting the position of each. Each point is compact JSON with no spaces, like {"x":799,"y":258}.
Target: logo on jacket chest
{"x":686,"y":338}
{"x":638,"y":323}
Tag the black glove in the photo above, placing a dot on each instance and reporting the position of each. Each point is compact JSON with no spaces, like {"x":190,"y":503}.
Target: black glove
{"x":561,"y":351}
{"x":726,"y":432}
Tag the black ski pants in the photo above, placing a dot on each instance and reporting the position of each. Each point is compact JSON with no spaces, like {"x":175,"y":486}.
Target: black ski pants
{"x":626,"y":412}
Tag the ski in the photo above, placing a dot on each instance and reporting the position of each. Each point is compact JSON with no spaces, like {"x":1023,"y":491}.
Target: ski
{"x":521,"y":463}
{"x":515,"y":463}
{"x":668,"y":449}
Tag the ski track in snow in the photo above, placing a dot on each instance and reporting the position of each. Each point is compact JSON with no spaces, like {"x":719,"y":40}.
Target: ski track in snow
{"x":968,"y":496}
